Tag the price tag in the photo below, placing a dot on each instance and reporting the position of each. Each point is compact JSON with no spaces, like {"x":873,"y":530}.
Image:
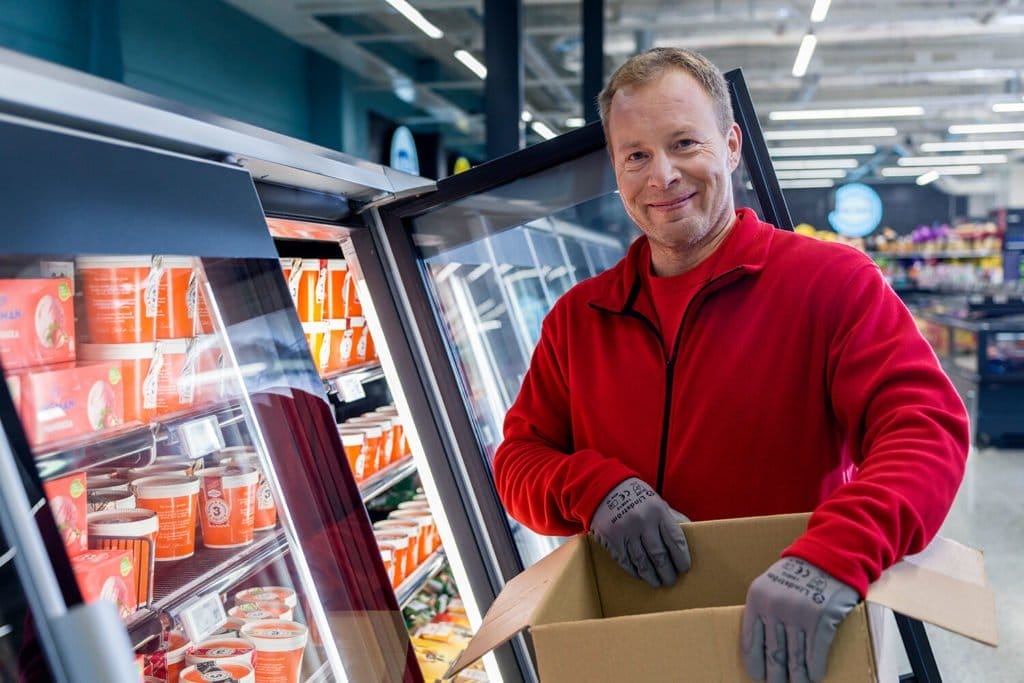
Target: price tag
{"x":202,"y":617}
{"x":350,"y":389}
{"x":201,"y":436}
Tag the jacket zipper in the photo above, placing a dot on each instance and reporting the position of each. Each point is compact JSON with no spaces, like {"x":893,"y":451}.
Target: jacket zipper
{"x":670,"y":363}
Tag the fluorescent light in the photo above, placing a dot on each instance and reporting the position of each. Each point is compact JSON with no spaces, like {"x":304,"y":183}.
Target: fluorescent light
{"x":831,"y":133}
{"x":471,"y":63}
{"x":1008,"y":106}
{"x":413,"y":15}
{"x":823,"y":151}
{"x":971,"y":146}
{"x":949,"y":160}
{"x":526,"y":116}
{"x":542,"y":130}
{"x":805,"y":184}
{"x":815,"y":163}
{"x":968,"y":129}
{"x":811,"y":173}
{"x":898,"y":171}
{"x":446,"y":271}
{"x":929,"y":177}
{"x":575,"y":122}
{"x":803,"y":55}
{"x":820,"y":10}
{"x":861,"y":113}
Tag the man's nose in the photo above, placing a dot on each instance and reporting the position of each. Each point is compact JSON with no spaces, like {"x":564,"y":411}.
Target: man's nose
{"x":663,"y":172}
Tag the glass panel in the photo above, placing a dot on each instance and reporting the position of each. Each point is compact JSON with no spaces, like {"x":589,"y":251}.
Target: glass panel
{"x":190,"y":461}
{"x":21,"y":656}
{"x":496,"y":263}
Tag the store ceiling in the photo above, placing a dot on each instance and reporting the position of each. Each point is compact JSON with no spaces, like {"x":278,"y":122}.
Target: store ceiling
{"x":953,"y":60}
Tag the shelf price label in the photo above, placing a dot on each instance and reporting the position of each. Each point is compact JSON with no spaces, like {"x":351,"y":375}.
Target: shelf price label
{"x":201,"y":436}
{"x":202,"y":617}
{"x":350,"y":389}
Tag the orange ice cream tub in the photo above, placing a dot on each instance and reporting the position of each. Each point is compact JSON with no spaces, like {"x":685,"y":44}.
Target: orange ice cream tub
{"x":377,"y":437}
{"x":170,"y":385}
{"x":121,"y":297}
{"x":107,"y":575}
{"x":222,"y":650}
{"x":315,"y":337}
{"x":353,"y":306}
{"x":417,"y":537}
{"x":228,"y":672}
{"x":353,"y":440}
{"x":177,"y":306}
{"x":279,"y":647}
{"x":358,"y":353}
{"x":67,"y":498}
{"x":132,"y":530}
{"x":261,"y":611}
{"x":177,"y":646}
{"x":98,"y":501}
{"x":230,"y":628}
{"x":428,"y":531}
{"x":37,"y":322}
{"x":265,"y":516}
{"x":337,"y":289}
{"x":227,"y":505}
{"x":174,"y":498}
{"x":292,"y":269}
{"x":403,"y":545}
{"x":311,"y":292}
{"x":267,"y":594}
{"x":62,"y":402}
{"x":136,"y":361}
{"x":339,"y":341}
{"x":371,"y":348}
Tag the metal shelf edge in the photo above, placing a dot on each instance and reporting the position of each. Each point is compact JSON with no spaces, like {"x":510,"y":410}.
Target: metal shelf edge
{"x":381,"y":481}
{"x":408,"y":589}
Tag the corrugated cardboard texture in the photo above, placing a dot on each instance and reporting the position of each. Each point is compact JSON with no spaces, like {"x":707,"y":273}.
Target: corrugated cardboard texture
{"x":700,"y":645}
{"x":571,"y":596}
{"x":513,"y":609}
{"x":945,"y":585}
{"x":727,"y":556}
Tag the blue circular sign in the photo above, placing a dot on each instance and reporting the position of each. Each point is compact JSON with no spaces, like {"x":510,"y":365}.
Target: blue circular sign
{"x":858,"y":210}
{"x":403,"y":152}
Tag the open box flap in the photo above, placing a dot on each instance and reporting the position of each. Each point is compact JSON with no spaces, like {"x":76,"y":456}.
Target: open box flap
{"x":513,"y":609}
{"x":943,"y":585}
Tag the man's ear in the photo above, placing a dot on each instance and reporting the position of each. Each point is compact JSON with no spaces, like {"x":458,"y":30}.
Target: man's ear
{"x":734,"y":142}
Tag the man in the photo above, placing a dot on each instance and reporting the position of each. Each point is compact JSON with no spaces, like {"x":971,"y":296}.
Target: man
{"x":725,"y":369}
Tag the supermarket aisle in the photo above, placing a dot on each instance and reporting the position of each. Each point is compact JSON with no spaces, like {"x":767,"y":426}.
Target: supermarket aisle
{"x":989,"y":514}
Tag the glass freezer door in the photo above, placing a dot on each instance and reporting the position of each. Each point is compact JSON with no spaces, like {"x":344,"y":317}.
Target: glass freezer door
{"x":168,"y":417}
{"x":494,"y":248}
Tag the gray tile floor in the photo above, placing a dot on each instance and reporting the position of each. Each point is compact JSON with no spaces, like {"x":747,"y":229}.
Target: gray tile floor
{"x":989,"y":515}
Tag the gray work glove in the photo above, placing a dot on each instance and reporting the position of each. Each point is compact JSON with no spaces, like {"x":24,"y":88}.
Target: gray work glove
{"x":791,"y":616}
{"x":641,"y":532}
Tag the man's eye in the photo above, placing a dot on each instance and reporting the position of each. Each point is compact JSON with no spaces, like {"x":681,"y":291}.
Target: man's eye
{"x":636,"y":156}
{"x":684,"y":143}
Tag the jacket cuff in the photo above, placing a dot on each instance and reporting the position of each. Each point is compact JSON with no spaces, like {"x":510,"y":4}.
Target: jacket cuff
{"x":835,"y":563}
{"x":611,"y":474}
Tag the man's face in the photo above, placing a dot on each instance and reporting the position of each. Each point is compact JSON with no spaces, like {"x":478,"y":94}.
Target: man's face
{"x":672,"y":164}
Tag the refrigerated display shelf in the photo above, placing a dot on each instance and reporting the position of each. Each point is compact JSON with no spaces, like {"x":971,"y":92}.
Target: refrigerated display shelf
{"x":381,"y":481}
{"x":127,"y":446}
{"x":210,"y":570}
{"x":970,"y":253}
{"x":360,"y":374}
{"x":408,"y":589}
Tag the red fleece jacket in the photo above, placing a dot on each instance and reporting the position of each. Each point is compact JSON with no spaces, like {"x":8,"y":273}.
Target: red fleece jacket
{"x":799,"y":382}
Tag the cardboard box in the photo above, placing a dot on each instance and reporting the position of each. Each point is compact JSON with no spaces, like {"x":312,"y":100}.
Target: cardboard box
{"x":107,"y":575}
{"x":67,"y":498}
{"x":590,"y":621}
{"x":63,"y":402}
{"x":37,"y":322}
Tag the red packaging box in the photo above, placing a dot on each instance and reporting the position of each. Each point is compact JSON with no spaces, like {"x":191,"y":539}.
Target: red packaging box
{"x":37,"y":322}
{"x":61,"y":402}
{"x":67,"y":497}
{"x":107,"y":574}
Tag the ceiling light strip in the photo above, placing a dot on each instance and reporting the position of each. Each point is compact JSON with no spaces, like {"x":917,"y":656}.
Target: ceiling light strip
{"x":823,"y":151}
{"x":811,"y":173}
{"x":952,"y":160}
{"x":820,"y":10}
{"x":831,"y":133}
{"x":804,"y":54}
{"x":541,"y":129}
{"x":804,"y":184}
{"x":417,"y":19}
{"x":856,"y":113}
{"x":471,"y":63}
{"x":972,"y":128}
{"x":929,"y":177}
{"x":898,"y":171}
{"x":972,"y":146}
{"x":800,"y":164}
{"x":1008,"y":107}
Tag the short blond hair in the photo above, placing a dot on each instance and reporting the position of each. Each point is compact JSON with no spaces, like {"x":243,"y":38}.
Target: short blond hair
{"x":650,"y":65}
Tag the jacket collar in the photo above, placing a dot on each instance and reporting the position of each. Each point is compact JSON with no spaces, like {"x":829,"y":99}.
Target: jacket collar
{"x":745,"y":250}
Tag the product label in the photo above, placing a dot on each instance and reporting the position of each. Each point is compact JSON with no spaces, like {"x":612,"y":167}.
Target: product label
{"x":192,"y":296}
{"x":218,"y":509}
{"x":152,"y":291}
{"x":294,"y":277}
{"x":264,"y":497}
{"x":321,"y":283}
{"x":187,"y":380}
{"x":150,"y":385}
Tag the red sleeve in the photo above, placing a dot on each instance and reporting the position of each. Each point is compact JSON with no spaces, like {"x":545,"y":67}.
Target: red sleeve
{"x":908,"y":426}
{"x":542,"y":481}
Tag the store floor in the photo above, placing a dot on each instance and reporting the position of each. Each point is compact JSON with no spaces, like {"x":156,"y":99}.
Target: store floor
{"x":989,"y":514}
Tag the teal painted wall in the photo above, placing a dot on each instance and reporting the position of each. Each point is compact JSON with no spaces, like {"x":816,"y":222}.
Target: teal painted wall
{"x":201,"y":53}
